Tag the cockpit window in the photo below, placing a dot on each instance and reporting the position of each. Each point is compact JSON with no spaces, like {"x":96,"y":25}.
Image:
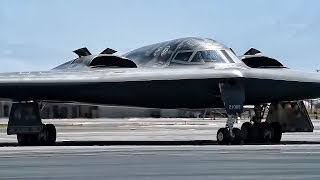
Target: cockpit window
{"x":183,"y":56}
{"x":231,"y":56}
{"x":208,"y":56}
{"x":227,"y":56}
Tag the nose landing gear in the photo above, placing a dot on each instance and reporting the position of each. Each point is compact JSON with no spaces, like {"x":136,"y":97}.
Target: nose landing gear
{"x":229,"y":134}
{"x":232,"y":95}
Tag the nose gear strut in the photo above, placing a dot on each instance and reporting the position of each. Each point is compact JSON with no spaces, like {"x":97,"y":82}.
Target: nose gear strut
{"x":233,"y":96}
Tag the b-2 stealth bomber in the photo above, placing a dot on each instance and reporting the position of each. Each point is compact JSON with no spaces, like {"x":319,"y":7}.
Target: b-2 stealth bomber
{"x":186,"y":73}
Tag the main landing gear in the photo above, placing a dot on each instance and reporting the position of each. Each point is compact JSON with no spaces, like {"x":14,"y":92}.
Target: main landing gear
{"x":25,"y":122}
{"x":254,"y":131}
{"x":46,"y":137}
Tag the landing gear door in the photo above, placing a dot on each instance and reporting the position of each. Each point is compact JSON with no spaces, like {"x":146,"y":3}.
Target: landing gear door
{"x":292,"y":116}
{"x":233,"y":97}
{"x":24,"y":119}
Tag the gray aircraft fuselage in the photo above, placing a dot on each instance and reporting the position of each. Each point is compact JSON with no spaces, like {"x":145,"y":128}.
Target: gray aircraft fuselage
{"x":182,"y":73}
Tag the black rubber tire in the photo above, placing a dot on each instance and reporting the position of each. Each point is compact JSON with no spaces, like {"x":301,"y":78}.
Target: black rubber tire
{"x":51,"y":135}
{"x":22,"y":139}
{"x":257,"y":133}
{"x":276,"y":132}
{"x":237,"y":136}
{"x":265,"y":129}
{"x":27,"y":139}
{"x":246,"y":131}
{"x":223,"y":136}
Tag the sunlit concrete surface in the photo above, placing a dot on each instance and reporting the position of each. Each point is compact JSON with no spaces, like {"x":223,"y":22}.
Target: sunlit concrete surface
{"x":146,"y":129}
{"x":297,"y":158}
{"x":161,"y":162}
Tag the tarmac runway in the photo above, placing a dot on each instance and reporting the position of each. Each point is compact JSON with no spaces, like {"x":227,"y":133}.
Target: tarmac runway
{"x":157,"y":149}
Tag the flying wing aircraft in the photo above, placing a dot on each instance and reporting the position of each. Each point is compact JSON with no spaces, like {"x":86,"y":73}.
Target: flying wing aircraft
{"x":182,"y":73}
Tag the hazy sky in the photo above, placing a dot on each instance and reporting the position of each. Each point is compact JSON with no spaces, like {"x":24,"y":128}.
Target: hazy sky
{"x":37,"y":35}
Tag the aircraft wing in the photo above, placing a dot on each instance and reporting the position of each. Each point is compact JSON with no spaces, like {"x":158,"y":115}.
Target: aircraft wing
{"x":193,"y":88}
{"x":111,"y":86}
{"x":160,"y":88}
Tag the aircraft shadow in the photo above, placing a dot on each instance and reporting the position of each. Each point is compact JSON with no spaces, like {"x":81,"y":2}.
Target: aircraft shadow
{"x":157,"y":143}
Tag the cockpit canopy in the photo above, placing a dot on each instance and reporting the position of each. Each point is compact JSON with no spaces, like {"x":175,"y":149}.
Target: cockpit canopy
{"x":186,"y":51}
{"x":183,"y":51}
